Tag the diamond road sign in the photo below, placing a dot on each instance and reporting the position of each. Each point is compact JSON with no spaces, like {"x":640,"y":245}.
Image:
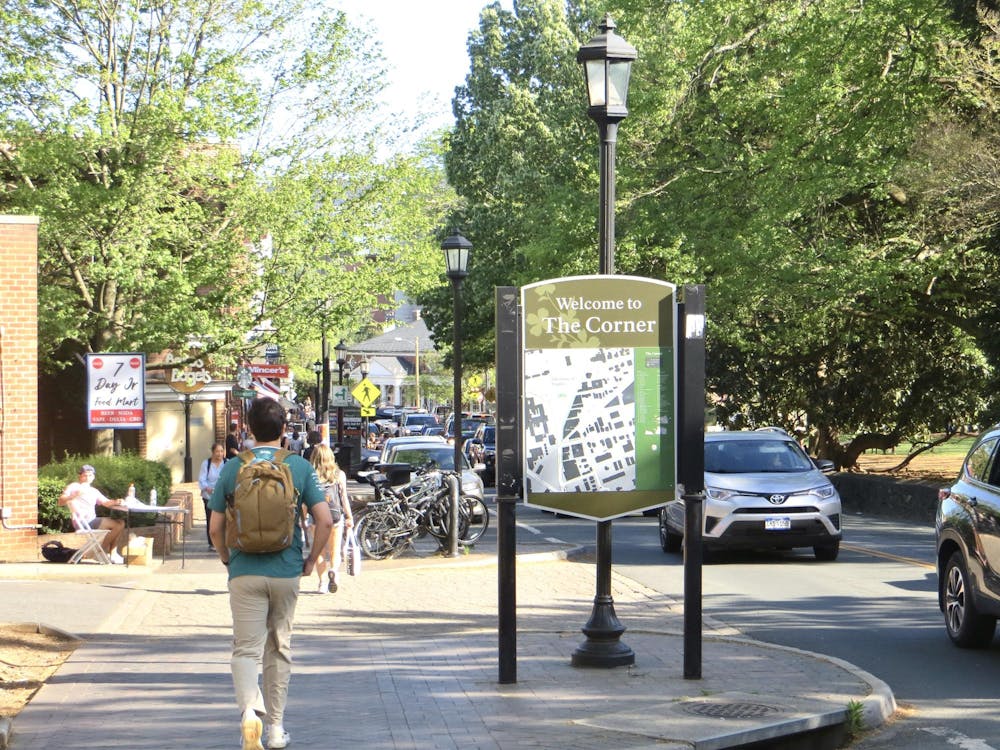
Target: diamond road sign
{"x":366,"y":392}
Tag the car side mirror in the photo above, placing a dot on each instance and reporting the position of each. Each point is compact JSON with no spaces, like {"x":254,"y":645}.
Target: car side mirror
{"x":824,"y":464}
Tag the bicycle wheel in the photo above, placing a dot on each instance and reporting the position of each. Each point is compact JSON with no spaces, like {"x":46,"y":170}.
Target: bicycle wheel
{"x":475,"y":519}
{"x":378,"y":535}
{"x":438,"y":518}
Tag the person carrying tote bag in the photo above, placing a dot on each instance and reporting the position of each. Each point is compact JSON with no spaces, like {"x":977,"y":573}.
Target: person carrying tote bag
{"x":333,"y":480}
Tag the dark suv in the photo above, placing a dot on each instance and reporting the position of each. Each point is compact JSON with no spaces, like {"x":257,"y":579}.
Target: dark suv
{"x":968,"y":546}
{"x":482,"y":448}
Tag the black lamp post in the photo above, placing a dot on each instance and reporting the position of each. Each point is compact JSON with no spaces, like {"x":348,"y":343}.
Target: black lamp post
{"x":363,"y":438}
{"x":188,"y":468}
{"x":341,"y":361}
{"x":325,"y":428}
{"x":607,"y":64}
{"x":456,"y":255}
{"x":317,"y":367}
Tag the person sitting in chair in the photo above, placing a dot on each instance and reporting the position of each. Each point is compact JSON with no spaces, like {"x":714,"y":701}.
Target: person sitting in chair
{"x":82,"y":498}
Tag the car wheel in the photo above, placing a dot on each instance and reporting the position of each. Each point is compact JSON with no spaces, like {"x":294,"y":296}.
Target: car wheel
{"x":669,"y":541}
{"x":966,"y":627}
{"x":827,"y":552}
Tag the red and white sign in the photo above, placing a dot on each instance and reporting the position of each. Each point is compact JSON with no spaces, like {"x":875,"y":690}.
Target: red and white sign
{"x":116,"y":391}
{"x":266,"y":388}
{"x":262,"y":370}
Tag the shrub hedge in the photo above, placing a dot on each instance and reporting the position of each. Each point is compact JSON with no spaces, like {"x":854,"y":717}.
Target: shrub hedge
{"x":113,"y":476}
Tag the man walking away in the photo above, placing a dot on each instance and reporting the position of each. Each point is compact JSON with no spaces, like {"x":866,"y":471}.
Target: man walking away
{"x":264,"y":587}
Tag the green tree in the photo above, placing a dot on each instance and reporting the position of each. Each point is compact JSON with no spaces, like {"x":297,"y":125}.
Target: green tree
{"x":192,"y":162}
{"x":774,"y":150}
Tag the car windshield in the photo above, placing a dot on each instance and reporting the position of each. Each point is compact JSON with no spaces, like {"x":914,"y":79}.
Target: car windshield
{"x":421,"y":419}
{"x":489,"y":434}
{"x":443,"y":456}
{"x":754,"y":456}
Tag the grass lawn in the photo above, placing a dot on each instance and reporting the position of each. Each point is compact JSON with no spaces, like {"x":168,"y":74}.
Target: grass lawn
{"x":940,"y":464}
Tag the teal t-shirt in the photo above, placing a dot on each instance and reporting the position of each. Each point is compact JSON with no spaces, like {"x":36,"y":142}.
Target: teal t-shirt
{"x":286,"y":563}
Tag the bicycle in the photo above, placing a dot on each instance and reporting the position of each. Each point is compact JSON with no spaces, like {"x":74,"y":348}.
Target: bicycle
{"x":398,"y":516}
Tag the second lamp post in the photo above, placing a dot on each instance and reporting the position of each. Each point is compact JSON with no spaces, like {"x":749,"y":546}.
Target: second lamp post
{"x":456,"y":255}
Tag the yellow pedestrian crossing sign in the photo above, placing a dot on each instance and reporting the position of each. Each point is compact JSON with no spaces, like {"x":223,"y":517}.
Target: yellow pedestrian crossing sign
{"x":366,"y":392}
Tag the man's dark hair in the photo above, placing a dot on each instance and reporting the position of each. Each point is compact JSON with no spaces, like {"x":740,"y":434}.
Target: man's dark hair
{"x":266,"y":418}
{"x":314,"y":437}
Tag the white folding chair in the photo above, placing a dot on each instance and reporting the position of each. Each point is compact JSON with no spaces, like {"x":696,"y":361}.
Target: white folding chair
{"x":92,"y":540}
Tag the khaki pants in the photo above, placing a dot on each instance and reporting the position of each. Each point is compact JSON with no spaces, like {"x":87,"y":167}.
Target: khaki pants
{"x":263,"y":609}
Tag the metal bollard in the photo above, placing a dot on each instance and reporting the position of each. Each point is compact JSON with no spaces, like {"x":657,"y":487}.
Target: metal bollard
{"x":455,"y":487}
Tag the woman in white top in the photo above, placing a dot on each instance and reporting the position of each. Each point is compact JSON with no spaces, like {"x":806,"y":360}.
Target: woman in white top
{"x":207,"y":478}
{"x":334,"y":482}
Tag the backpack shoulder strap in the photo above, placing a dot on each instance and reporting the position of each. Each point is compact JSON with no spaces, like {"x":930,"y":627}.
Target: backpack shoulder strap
{"x":247,"y":457}
{"x":280,"y":455}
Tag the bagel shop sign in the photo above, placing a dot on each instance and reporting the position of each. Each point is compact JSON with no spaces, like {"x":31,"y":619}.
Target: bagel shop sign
{"x":598,"y":366}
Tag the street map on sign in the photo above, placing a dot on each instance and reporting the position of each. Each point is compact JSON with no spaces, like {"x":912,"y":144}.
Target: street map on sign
{"x":579,"y":435}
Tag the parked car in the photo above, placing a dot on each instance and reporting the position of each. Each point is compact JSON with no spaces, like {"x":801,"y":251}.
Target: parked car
{"x":968,"y":546}
{"x":761,"y":491}
{"x":470,"y":423}
{"x":418,"y":452}
{"x":415,"y":424}
{"x":482,"y":448}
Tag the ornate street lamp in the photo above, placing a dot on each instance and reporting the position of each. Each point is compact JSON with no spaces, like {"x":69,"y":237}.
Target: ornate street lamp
{"x":607,"y":64}
{"x":340,"y":348}
{"x":456,"y":256}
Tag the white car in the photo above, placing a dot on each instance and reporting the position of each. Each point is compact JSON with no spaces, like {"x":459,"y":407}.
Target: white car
{"x":761,"y":491}
{"x":418,"y":451}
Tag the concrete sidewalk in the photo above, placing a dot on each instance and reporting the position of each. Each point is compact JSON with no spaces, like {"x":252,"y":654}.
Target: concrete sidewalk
{"x":405,"y":656}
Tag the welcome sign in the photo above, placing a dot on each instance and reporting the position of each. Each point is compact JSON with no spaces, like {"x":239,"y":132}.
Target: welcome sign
{"x":599,"y":393}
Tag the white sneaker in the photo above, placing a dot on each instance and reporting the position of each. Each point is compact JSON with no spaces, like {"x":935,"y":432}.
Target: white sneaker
{"x":252,"y":728}
{"x":323,"y":588}
{"x":277,"y":737}
{"x":116,"y":559}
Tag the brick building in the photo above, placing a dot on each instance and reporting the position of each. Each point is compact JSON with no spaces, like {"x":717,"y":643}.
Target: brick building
{"x":18,"y":387}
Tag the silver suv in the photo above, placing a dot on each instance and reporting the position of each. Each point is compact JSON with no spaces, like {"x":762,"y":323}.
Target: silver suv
{"x":761,"y":491}
{"x":967,"y":528}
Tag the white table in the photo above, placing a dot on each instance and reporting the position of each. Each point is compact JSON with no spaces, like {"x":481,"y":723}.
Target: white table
{"x":167,"y":512}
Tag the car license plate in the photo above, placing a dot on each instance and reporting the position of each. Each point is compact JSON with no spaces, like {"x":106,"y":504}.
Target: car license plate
{"x":777,"y":524}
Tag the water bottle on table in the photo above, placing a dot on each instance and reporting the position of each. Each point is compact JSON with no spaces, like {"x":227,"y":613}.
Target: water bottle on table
{"x":152,"y":496}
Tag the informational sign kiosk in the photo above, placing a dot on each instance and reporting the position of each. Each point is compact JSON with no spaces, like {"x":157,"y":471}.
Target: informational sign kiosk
{"x":599,"y":393}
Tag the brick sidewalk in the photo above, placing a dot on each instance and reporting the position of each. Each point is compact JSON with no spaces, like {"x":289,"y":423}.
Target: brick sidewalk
{"x":405,"y":656}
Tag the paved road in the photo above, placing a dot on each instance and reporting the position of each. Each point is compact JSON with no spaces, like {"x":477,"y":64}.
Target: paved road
{"x":875,"y":607}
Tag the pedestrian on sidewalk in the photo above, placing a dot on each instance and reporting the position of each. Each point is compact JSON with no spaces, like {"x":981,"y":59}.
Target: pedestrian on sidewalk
{"x":207,"y":478}
{"x":233,"y":441}
{"x":333,"y":480}
{"x":264,"y":588}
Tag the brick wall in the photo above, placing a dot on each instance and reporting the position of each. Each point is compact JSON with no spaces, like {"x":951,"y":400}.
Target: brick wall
{"x":18,"y":386}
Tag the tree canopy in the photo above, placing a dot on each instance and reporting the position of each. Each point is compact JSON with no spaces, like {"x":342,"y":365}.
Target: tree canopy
{"x":205,"y":169}
{"x":824,"y":167}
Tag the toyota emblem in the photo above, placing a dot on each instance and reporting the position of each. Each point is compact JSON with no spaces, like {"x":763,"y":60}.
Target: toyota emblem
{"x":777,"y":499}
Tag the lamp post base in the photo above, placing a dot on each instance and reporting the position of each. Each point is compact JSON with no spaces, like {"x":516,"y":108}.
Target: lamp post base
{"x":603,"y":647}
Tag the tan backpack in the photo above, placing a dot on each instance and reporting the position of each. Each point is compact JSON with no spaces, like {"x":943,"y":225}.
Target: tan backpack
{"x":262,"y":512}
